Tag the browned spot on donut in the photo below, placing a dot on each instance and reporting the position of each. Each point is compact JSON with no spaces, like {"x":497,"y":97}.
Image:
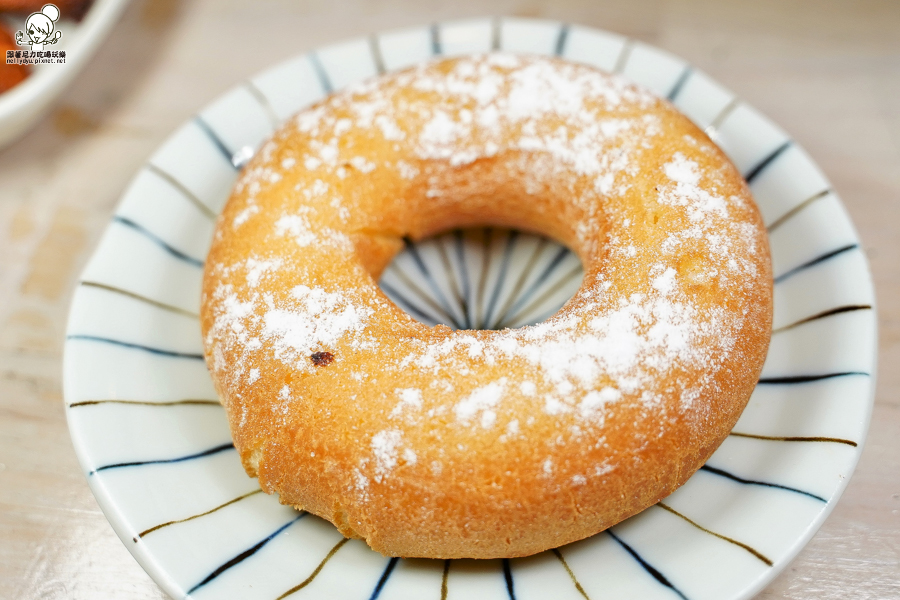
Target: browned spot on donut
{"x":322,"y":359}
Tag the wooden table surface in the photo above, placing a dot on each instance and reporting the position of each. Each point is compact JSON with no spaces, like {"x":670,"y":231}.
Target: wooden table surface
{"x":828,"y":71}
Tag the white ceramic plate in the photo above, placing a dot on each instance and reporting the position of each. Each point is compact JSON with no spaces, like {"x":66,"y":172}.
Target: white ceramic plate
{"x":23,"y":105}
{"x":155,"y":445}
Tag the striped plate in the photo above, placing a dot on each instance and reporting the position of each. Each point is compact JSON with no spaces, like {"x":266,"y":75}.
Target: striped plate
{"x":155,"y":446}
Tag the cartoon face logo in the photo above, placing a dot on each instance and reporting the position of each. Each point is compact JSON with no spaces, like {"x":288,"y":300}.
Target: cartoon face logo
{"x":39,"y":28}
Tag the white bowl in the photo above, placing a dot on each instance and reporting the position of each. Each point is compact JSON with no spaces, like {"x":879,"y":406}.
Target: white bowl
{"x":24,"y":105}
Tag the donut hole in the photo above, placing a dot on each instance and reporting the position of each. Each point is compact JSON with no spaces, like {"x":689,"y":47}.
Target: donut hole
{"x":482,"y":278}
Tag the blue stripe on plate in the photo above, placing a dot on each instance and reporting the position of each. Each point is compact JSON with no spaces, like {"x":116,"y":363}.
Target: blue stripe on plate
{"x":384,"y":577}
{"x":819,"y":259}
{"x":436,"y":40}
{"x":216,"y":141}
{"x":507,"y":576}
{"x":131,"y":345}
{"x":647,"y":566}
{"x":792,"y":379}
{"x":158,"y":241}
{"x":768,"y":160}
{"x":321,"y":73}
{"x":163,"y":461}
{"x":679,"y":84}
{"x":733,"y":477}
{"x":560,"y":47}
{"x":245,"y":554}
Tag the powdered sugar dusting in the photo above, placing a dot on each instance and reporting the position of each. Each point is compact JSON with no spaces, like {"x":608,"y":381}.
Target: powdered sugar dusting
{"x":385,"y":449}
{"x":410,"y":403}
{"x":699,"y":202}
{"x":322,"y":319}
{"x":307,"y":320}
{"x":481,"y":403}
{"x":257,"y":269}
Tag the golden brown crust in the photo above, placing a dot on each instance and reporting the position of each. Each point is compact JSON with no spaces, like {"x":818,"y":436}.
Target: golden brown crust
{"x":438,"y":443}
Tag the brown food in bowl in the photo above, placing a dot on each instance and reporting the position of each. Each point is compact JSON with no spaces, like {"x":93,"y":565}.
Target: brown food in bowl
{"x":68,"y":9}
{"x":10,"y":75}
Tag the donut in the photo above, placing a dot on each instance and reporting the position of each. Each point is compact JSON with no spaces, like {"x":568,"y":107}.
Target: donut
{"x":433,"y":442}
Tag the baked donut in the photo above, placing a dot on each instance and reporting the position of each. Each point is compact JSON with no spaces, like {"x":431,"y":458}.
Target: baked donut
{"x":432,"y":442}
